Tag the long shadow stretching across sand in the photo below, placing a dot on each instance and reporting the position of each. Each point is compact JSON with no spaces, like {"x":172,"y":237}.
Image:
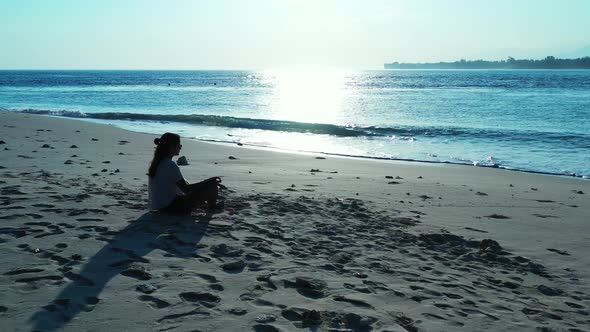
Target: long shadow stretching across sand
{"x":120,"y":256}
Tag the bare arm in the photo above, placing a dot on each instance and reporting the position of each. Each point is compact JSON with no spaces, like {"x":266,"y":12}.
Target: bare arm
{"x":187,"y":188}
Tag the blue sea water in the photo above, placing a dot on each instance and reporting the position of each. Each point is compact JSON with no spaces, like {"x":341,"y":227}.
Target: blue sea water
{"x":532,"y":120}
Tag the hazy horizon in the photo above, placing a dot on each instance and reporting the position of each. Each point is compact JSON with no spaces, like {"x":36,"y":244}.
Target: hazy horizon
{"x":263,"y":34}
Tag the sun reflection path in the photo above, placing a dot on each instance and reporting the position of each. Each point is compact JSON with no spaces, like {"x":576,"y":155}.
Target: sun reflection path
{"x":307,"y":95}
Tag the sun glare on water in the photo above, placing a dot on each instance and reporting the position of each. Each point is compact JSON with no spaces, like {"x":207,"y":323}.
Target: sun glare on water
{"x":306,"y":95}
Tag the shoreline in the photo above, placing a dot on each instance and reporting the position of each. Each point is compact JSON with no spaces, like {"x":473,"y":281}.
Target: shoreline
{"x":303,"y":242}
{"x":287,"y":150}
{"x":253,"y":146}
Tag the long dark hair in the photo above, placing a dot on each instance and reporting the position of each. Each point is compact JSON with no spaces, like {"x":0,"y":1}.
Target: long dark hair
{"x":163,"y":146}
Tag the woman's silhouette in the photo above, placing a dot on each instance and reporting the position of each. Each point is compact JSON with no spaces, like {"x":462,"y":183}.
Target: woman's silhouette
{"x":168,"y":190}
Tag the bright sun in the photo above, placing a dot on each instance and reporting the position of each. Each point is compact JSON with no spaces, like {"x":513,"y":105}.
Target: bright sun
{"x":306,"y":95}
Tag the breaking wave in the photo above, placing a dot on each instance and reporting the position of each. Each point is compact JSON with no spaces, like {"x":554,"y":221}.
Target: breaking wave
{"x":578,"y":140}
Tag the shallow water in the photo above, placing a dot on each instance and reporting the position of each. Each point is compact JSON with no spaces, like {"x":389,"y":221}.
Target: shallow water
{"x":535,"y":120}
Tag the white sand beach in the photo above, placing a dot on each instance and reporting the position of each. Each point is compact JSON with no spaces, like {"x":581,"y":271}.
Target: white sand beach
{"x":304,"y":242}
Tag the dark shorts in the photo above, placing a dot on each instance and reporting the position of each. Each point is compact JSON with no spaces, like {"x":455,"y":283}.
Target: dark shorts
{"x":197,"y":196}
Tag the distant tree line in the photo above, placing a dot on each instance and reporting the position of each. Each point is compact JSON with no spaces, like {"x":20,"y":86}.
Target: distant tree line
{"x":549,"y":62}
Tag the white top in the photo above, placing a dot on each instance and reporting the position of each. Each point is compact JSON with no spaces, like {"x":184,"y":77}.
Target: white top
{"x":162,"y":187}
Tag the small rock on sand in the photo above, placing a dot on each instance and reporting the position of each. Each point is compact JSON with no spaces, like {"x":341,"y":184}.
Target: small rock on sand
{"x":182,"y":161}
{"x":265,"y":318}
{"x":497,"y":216}
{"x":146,"y":288}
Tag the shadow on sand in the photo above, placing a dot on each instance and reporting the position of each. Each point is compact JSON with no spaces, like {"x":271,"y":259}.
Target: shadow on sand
{"x":120,"y":256}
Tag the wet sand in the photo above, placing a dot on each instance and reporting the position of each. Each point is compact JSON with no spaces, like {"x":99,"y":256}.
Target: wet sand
{"x":304,"y":242}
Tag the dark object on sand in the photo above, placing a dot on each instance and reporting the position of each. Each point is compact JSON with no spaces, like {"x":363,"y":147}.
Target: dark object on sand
{"x":232,"y":158}
{"x":73,"y":147}
{"x":549,"y":291}
{"x":2,"y":142}
{"x":146,"y":288}
{"x":309,"y":287}
{"x":182,"y":161}
{"x":497,"y":216}
{"x":234,"y":266}
{"x":265,"y":318}
{"x":311,"y":317}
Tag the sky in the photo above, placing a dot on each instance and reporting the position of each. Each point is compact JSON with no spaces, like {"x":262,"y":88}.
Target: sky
{"x":272,"y":34}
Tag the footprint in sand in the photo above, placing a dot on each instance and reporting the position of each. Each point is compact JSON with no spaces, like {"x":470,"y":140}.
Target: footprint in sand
{"x":22,"y":271}
{"x":206,"y":299}
{"x":33,"y":279}
{"x":154,"y":302}
{"x":208,"y":278}
{"x":83,"y":281}
{"x":137,"y":272}
{"x":355,"y":302}
{"x":184,"y":314}
{"x":544,"y":216}
{"x":217,"y":287}
{"x":15,"y":208}
{"x":475,"y":230}
{"x":41,"y":205}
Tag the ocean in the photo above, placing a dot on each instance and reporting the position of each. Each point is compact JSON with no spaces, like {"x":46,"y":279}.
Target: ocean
{"x":527,"y":120}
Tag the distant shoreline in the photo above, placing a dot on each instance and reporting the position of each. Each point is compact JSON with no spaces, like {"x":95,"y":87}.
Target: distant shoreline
{"x":549,"y":62}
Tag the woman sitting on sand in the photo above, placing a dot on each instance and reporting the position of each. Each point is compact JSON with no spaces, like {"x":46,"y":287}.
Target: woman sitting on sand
{"x":168,"y":190}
